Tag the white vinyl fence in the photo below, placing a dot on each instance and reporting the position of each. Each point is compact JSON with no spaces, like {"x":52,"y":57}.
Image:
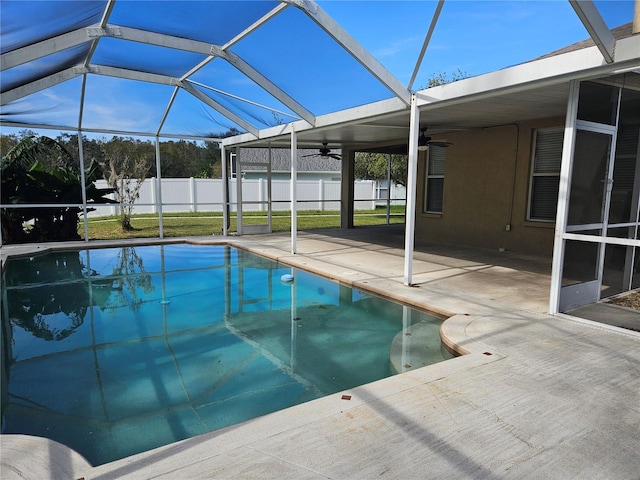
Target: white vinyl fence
{"x":206,"y":195}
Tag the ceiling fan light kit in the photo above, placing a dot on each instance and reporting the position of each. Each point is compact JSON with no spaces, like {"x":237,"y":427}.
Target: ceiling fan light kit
{"x":424,"y":141}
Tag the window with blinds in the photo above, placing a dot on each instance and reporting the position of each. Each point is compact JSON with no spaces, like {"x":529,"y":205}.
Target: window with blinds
{"x":545,"y":175}
{"x":434,"y":181}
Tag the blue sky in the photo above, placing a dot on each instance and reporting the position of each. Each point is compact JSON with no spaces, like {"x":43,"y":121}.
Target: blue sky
{"x":474,"y":37}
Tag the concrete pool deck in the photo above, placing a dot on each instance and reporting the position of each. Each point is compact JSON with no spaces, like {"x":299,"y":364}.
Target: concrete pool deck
{"x":537,"y":396}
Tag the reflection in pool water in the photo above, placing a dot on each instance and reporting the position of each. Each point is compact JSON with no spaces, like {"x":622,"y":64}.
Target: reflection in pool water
{"x":117,"y":351}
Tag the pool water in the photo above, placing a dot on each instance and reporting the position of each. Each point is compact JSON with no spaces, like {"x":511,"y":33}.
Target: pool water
{"x":116,"y":351}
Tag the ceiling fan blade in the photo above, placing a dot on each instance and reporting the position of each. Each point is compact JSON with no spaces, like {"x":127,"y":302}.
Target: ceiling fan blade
{"x":335,"y":155}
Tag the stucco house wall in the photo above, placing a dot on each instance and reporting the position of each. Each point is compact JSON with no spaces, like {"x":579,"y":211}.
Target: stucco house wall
{"x":486,"y":188}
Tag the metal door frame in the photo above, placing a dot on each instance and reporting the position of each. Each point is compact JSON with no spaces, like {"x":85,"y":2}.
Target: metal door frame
{"x":583,"y":293}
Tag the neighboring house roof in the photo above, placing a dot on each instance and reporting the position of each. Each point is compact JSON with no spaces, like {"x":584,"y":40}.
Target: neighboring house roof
{"x":623,"y":31}
{"x":308,"y":159}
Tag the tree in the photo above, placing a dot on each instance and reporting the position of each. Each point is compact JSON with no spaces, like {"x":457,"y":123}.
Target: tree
{"x":125,"y":164}
{"x":39,"y":170}
{"x":374,"y":166}
{"x":443,"y":78}
{"x":128,"y":278}
{"x":57,"y":300}
{"x":209,"y":164}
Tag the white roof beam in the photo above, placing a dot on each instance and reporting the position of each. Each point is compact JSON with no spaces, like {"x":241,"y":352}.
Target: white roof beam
{"x":103,"y":23}
{"x":128,"y":74}
{"x":257,"y":24}
{"x":72,"y":72}
{"x":427,"y":39}
{"x":357,"y":51}
{"x":55,"y":79}
{"x":107,"y":13}
{"x":596,"y":26}
{"x":67,"y":128}
{"x":203,"y":48}
{"x":50,"y":46}
{"x":152,"y":38}
{"x":219,"y":108}
{"x":270,"y":87}
{"x":37,"y":85}
{"x":77,"y":37}
{"x":168,"y":109}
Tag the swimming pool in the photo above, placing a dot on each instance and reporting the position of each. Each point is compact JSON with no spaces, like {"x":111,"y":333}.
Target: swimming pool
{"x":117,"y":351}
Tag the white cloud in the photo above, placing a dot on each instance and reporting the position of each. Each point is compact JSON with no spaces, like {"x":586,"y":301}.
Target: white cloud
{"x":398,"y":46}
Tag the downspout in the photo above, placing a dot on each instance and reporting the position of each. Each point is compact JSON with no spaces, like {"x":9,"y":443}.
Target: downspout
{"x":509,"y":225}
{"x":636,"y":18}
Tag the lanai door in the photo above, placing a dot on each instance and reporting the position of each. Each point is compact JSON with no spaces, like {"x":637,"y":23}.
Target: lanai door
{"x":601,"y":237}
{"x":589,"y":200}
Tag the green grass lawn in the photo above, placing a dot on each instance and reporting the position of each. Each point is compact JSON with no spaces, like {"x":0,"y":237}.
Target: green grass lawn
{"x":197,"y":224}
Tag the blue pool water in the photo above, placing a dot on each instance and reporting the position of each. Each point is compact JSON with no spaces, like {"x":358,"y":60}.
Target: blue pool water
{"x":117,"y":351}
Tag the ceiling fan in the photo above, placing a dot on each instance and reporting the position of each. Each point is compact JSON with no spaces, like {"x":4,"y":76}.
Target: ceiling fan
{"x":324,"y":152}
{"x":424,"y":141}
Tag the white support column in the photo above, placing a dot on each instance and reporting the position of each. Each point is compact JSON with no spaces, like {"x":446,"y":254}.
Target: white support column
{"x":294,"y":196}
{"x":192,"y":194}
{"x":154,"y":196}
{"x":269,"y":192}
{"x":389,"y":189}
{"x":261,"y":194}
{"x":82,"y":164}
{"x":412,"y":174}
{"x":225,"y":192}
{"x":563,"y":197}
{"x":238,"y":192}
{"x":83,"y":180}
{"x":159,"y":188}
{"x":634,"y":216}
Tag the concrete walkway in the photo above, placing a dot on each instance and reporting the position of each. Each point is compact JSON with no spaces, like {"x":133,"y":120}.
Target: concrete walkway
{"x":535,"y":396}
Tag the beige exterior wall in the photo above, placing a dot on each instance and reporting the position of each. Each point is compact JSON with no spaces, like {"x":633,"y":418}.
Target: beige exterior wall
{"x":486,"y":187}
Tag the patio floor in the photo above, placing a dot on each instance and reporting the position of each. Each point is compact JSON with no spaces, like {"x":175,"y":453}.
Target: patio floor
{"x":536,"y":396}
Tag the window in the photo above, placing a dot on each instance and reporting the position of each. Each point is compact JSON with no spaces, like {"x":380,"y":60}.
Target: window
{"x":434,"y":181}
{"x":545,"y":175}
